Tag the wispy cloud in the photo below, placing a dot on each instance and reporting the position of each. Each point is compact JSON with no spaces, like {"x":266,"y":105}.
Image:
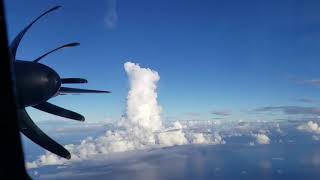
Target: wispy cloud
{"x":216,"y":118}
{"x":193,"y":114}
{"x":83,"y":127}
{"x":291,"y":110}
{"x":314,"y":82}
{"x":111,"y":17}
{"x":306,"y":100}
{"x":221,"y":112}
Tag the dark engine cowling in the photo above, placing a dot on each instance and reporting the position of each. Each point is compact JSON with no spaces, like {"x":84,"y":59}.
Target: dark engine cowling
{"x":35,"y":83}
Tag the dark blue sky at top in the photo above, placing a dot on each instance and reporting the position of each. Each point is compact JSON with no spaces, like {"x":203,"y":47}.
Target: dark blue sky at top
{"x":211,"y":55}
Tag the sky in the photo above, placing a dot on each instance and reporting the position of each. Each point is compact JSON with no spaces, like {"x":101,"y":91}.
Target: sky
{"x":228,"y":59}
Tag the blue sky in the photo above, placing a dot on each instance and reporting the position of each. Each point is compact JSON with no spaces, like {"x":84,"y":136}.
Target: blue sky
{"x":214,"y":55}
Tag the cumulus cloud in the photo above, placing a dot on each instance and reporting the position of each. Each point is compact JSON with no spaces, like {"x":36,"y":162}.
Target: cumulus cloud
{"x":217,"y":139}
{"x":310,"y":126}
{"x":171,"y":138}
{"x":262,"y":139}
{"x":141,"y":126}
{"x":277,"y":128}
{"x":316,"y":138}
{"x":199,"y":138}
{"x":30,"y":165}
{"x":142,"y":106}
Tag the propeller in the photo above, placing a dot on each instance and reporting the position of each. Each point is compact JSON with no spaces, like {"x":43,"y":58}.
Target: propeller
{"x":33,"y":132}
{"x":58,"y":111}
{"x":75,"y":90}
{"x":15,"y":43}
{"x":58,"y":48}
{"x":26,"y":125}
{"x":73,"y":81}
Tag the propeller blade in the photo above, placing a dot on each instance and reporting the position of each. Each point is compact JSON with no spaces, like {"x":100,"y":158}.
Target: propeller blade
{"x":58,"y":111}
{"x":15,"y":43}
{"x":75,"y":90}
{"x":63,"y":94}
{"x":34,"y":133}
{"x":73,"y":81}
{"x":60,"y":47}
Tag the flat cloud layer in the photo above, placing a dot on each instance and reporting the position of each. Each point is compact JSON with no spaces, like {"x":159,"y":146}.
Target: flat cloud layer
{"x":140,"y":128}
{"x":291,"y":110}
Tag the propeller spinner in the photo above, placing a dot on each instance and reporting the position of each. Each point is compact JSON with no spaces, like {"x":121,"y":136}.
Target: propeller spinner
{"x":36,"y":83}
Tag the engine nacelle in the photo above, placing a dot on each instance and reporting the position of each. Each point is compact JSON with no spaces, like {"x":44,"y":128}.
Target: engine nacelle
{"x":35,"y":83}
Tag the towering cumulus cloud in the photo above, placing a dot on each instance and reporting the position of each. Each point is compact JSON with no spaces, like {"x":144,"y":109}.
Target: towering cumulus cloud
{"x":142,"y":106}
{"x":140,"y":127}
{"x":142,"y":117}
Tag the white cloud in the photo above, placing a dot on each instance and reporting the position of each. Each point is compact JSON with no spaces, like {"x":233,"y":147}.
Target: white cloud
{"x":199,"y":138}
{"x":217,"y":139}
{"x":316,"y":138}
{"x":142,"y":105}
{"x":311,"y":127}
{"x":140,"y":128}
{"x":278,"y":129}
{"x":171,"y":138}
{"x":46,"y":159}
{"x":262,"y":139}
{"x":31,"y":165}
